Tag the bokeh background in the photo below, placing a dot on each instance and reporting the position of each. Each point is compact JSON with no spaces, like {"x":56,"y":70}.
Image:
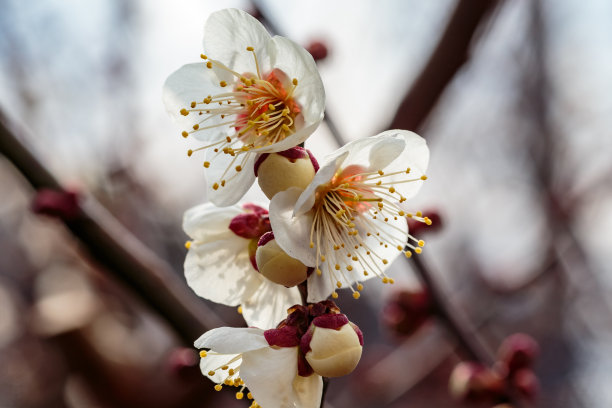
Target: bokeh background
{"x":520,"y":177}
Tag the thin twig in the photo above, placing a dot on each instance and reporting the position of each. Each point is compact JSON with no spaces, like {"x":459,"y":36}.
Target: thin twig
{"x":116,"y":249}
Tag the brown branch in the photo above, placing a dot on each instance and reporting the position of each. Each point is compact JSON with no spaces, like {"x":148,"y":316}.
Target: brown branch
{"x":448,"y":57}
{"x":116,"y":249}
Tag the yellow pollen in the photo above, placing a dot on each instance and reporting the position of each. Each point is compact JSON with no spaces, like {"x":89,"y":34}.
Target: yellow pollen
{"x":311,"y":244}
{"x":189,"y":152}
{"x":391,"y":190}
{"x":421,"y":243}
{"x":355,"y":258}
{"x":196,"y":126}
{"x":249,"y":48}
{"x":211,"y":373}
{"x":401,"y":213}
{"x":206,"y":164}
{"x":335,"y":295}
{"x":224,"y":367}
{"x":339,"y":284}
{"x":216,"y":186}
{"x":419,"y":214}
{"x":408,"y":254}
{"x":222,"y":183}
{"x":188,"y":244}
{"x":203,"y":353}
{"x":349,"y":268}
{"x":336,"y":247}
{"x":408,"y":170}
{"x":385,"y":261}
{"x":423,"y":177}
{"x":385,"y":280}
{"x":239,"y":395}
{"x":250,"y":396}
{"x":319,"y":272}
{"x":228,"y":139}
{"x":428,"y":221}
{"x":209,"y":64}
{"x":359,"y":286}
{"x":356,"y":295}
{"x":271,"y":107}
{"x":391,"y":281}
{"x":418,"y":250}
{"x":203,"y":56}
{"x":238,"y":168}
{"x":184,"y":112}
{"x":218,"y":387}
{"x":400,"y":248}
{"x":294,"y":81}
{"x":239,"y":310}
{"x":337,"y":267}
{"x":223,"y":84}
{"x":322,"y":258}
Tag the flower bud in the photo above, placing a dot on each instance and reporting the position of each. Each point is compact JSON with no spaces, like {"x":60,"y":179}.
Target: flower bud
{"x":518,"y":351}
{"x":276,"y":265}
{"x":332,"y":345}
{"x":279,"y":171}
{"x":406,"y":311}
{"x":474,"y":382}
{"x":526,"y":383}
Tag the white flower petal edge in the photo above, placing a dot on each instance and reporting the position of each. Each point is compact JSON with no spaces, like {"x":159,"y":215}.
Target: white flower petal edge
{"x":348,"y":223}
{"x":241,"y":357}
{"x":218,"y":268}
{"x":254,"y":94}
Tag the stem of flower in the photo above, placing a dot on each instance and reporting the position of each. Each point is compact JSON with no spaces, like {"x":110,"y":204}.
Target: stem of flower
{"x":116,"y":249}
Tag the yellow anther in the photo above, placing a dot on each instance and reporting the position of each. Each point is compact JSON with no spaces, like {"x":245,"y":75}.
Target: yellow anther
{"x":238,"y":168}
{"x":385,"y":280}
{"x":319,"y":272}
{"x":419,"y":214}
{"x":408,"y":170}
{"x":231,"y":371}
{"x":184,"y":133}
{"x":228,"y":139}
{"x":189,"y":152}
{"x":355,"y":258}
{"x":216,"y":186}
{"x":250,"y":396}
{"x":421,"y":243}
{"x":239,"y":310}
{"x":211,"y":373}
{"x":271,"y":107}
{"x":336,"y":247}
{"x":378,"y":183}
{"x":203,"y":353}
{"x":203,"y":56}
{"x":188,"y":244}
{"x":401,"y":213}
{"x":385,"y":261}
{"x":209,"y":64}
{"x":239,"y":395}
{"x":339,"y":284}
{"x":196,"y":126}
{"x":222,"y":183}
{"x":418,"y":250}
{"x":294,"y":81}
{"x":391,"y":281}
{"x":206,"y":164}
{"x":359,"y":286}
{"x":408,"y":254}
{"x":382,"y":173}
{"x":365,"y":273}
{"x":322,"y":258}
{"x":311,"y":244}
{"x":184,"y":112}
{"x":218,"y":387}
{"x":400,"y":248}
{"x":337,"y":267}
{"x":193,"y":104}
{"x":349,"y":268}
{"x":223,"y":84}
{"x":428,"y":221}
{"x":285,"y":128}
{"x":225,"y":367}
{"x":391,"y":190}
{"x":423,"y":177}
{"x":380,"y":205}
{"x":249,"y":48}
{"x":335,"y":295}
{"x":356,"y":295}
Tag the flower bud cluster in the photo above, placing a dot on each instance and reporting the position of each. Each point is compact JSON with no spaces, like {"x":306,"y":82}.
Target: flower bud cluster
{"x":511,"y":375}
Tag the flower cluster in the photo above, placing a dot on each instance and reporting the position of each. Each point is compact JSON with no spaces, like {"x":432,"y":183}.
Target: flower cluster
{"x":250,"y":106}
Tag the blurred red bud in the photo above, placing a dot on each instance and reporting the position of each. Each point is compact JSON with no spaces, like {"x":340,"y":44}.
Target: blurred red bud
{"x":183,"y":362}
{"x":406,"y":311}
{"x":526,"y":383}
{"x":517,"y":351}
{"x":317,"y":49}
{"x":475,"y":383}
{"x":53,"y":203}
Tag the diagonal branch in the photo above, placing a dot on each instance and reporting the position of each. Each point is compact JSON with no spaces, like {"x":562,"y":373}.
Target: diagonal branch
{"x":116,"y":249}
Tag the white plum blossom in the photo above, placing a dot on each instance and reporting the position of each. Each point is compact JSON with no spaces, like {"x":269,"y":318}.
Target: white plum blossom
{"x":265,"y":362}
{"x":349,"y":223}
{"x":220,"y":262}
{"x":253,"y":94}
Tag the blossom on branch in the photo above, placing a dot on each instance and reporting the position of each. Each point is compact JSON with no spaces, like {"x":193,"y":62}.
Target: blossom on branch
{"x":220,"y":262}
{"x":253,"y":94}
{"x":349,"y":223}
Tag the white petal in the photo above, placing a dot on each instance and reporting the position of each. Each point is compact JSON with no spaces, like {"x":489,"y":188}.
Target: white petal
{"x":292,"y":233}
{"x":268,"y":305}
{"x":228,"y":32}
{"x":232,"y":340}
{"x":297,"y":63}
{"x":271,"y":375}
{"x":320,"y":287}
{"x":323,"y":176}
{"x":206,"y":222}
{"x":191,"y":83}
{"x":385,"y":151}
{"x":221,"y":270}
{"x":213,"y":362}
{"x":223,"y":167}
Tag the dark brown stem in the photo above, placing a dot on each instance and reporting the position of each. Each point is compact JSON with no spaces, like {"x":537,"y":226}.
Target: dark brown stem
{"x":448,"y":57}
{"x":470,"y":345}
{"x":117,"y":250}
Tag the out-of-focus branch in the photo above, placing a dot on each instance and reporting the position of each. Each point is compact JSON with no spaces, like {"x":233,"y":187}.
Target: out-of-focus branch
{"x":116,"y":249}
{"x":448,"y":57}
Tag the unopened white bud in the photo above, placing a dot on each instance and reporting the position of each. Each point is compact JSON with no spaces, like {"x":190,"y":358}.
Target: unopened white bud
{"x":276,"y":265}
{"x":279,"y":171}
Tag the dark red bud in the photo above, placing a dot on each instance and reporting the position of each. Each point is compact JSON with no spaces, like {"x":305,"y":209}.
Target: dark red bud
{"x":330,"y":321}
{"x":475,"y":383}
{"x":406,"y":311}
{"x":286,"y":336}
{"x":183,"y":362}
{"x":249,"y":225}
{"x":526,"y":383}
{"x":518,"y":351}
{"x":265,"y":238}
{"x":53,"y":203}
{"x":318,"y":50}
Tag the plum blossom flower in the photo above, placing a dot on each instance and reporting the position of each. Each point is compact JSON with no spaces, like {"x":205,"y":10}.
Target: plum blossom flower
{"x":220,"y":262}
{"x":252,"y":94}
{"x":349,"y":223}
